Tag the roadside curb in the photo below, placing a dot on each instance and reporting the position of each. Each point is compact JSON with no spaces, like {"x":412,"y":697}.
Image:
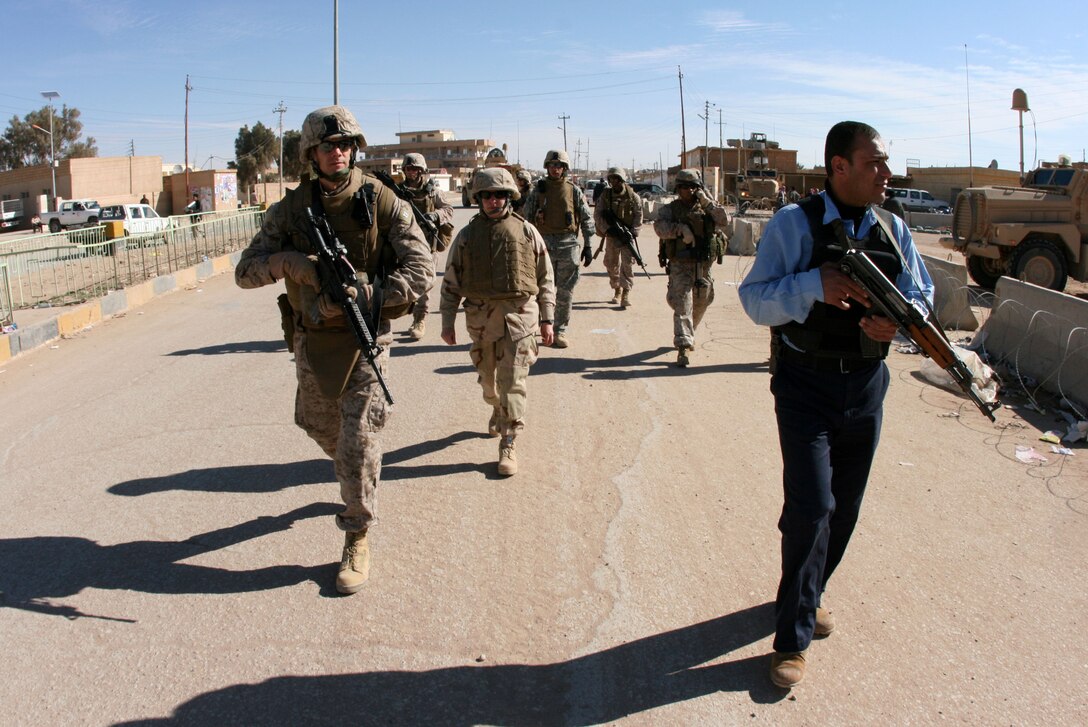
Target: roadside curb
{"x":82,"y":317}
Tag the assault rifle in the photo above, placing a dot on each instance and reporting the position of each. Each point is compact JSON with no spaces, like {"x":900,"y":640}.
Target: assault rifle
{"x":430,"y":229}
{"x":623,"y":233}
{"x":337,"y":274}
{"x":910,"y":320}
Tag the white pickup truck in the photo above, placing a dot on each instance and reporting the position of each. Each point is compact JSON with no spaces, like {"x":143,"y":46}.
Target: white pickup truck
{"x":73,"y":213}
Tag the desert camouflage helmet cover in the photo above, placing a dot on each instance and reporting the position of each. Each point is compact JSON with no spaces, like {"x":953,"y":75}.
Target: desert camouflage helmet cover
{"x":688,"y":176}
{"x":525,"y":174}
{"x":415,"y":160}
{"x":328,"y":123}
{"x":494,"y":180}
{"x":557,"y":155}
{"x":617,"y":172}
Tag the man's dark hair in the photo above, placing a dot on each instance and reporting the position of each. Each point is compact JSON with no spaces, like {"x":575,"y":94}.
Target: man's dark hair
{"x":843,"y":138}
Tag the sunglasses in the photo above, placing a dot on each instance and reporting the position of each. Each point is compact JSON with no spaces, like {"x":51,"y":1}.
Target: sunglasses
{"x":342,"y":145}
{"x":496,"y":195}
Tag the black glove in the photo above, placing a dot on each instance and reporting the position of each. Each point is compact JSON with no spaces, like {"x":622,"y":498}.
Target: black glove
{"x":663,"y":260}
{"x":587,"y":256}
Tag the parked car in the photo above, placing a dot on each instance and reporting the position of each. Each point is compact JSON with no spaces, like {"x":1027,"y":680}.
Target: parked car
{"x":917,"y":200}
{"x":647,"y":189}
{"x":138,"y":219}
{"x":73,"y":213}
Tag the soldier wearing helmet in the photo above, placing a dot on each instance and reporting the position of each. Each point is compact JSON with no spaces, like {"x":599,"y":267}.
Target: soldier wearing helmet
{"x":524,"y":180}
{"x":498,"y":265}
{"x":620,"y":200}
{"x":338,"y":402}
{"x":558,"y":209}
{"x":692,"y":233}
{"x":427,"y":200}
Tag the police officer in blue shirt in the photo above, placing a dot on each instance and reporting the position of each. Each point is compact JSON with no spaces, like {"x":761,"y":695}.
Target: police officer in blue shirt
{"x":828,"y":376}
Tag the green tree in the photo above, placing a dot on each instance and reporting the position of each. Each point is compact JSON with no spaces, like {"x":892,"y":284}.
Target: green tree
{"x":23,"y":146}
{"x":254,"y":151}
{"x":292,"y":167}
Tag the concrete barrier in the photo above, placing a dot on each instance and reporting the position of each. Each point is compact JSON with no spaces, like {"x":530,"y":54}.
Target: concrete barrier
{"x":1042,"y":334}
{"x":746,"y":234}
{"x":950,"y":294}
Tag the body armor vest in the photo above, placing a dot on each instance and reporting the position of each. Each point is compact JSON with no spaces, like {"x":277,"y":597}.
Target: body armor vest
{"x":498,"y":260}
{"x":830,"y":331}
{"x":623,"y":204}
{"x":557,"y":203}
{"x":702,"y":226}
{"x":422,"y":198}
{"x":360,"y":215}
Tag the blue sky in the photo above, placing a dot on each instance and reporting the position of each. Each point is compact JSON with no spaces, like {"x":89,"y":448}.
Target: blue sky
{"x":509,"y":70}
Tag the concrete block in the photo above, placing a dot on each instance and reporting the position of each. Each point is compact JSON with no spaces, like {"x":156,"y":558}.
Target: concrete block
{"x":950,"y":294}
{"x":114,"y":303}
{"x":75,"y":320}
{"x":33,"y":336}
{"x":1040,"y":333}
{"x":746,"y":234}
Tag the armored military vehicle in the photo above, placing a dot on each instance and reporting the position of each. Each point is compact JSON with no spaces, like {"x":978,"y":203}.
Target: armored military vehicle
{"x":1037,"y":233}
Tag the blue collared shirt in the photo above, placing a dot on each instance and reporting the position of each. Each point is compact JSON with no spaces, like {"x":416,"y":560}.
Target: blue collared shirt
{"x":778,"y":289}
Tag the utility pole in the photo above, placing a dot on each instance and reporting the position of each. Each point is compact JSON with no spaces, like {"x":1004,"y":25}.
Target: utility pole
{"x":721,"y":158}
{"x":563,"y":118}
{"x":335,"y":52}
{"x":683,"y":128}
{"x":280,"y":110}
{"x":705,"y":116}
{"x":188,"y":88}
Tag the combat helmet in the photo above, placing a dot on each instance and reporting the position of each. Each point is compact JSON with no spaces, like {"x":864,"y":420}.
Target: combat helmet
{"x":557,"y":155}
{"x":688,"y":176}
{"x":525,"y":175}
{"x":617,"y":172}
{"x":328,"y":123}
{"x":495,"y":179}
{"x":414,"y":159}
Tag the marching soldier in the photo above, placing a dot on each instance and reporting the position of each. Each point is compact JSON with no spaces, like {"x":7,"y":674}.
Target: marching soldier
{"x":429,"y":201}
{"x":618,"y":202}
{"x":339,"y":402}
{"x":692,"y":234}
{"x":498,"y":264}
{"x":525,"y":185}
{"x":558,"y":208}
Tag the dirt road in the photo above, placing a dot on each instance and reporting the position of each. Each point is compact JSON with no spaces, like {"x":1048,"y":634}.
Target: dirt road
{"x":167,"y":549}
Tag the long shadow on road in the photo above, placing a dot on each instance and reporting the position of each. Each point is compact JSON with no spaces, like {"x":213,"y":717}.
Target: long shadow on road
{"x":597,"y":688}
{"x":44,"y":567}
{"x":255,"y":478}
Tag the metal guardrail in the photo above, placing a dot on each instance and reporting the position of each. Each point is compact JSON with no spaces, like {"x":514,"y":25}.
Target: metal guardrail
{"x":79,"y":265}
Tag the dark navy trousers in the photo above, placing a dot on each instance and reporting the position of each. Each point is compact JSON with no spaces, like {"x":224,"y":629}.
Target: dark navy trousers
{"x":828,"y":429}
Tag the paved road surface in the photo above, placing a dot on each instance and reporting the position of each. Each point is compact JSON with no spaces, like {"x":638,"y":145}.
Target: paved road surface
{"x":167,"y":548}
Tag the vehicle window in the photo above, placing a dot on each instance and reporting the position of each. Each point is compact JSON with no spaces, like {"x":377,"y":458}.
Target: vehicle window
{"x":913,"y":195}
{"x":1063,"y":176}
{"x":112,"y":213}
{"x":77,"y":207}
{"x":148,"y":212}
{"x":927,"y":196}
{"x":136,"y":213}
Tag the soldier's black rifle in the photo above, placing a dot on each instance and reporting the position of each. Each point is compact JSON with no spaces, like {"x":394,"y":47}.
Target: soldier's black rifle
{"x":430,"y":229}
{"x":337,"y":274}
{"x":623,"y":233}
{"x":910,"y":320}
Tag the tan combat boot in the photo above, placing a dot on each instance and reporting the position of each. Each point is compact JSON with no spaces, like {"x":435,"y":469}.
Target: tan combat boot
{"x":354,"y":564}
{"x":787,"y":668}
{"x":825,"y":623}
{"x":625,"y":300}
{"x":682,"y":357}
{"x":615,"y":296}
{"x":508,"y":461}
{"x":560,"y":341}
{"x":417,"y":329}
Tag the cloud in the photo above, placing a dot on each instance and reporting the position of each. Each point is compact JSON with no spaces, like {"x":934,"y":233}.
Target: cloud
{"x":733,"y":21}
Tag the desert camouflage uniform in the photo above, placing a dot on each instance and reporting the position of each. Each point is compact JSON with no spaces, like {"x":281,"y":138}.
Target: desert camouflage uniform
{"x":563,"y":248}
{"x":627,"y":206}
{"x":429,"y":201}
{"x":691,"y":284}
{"x":346,"y":427}
{"x":503,"y":332}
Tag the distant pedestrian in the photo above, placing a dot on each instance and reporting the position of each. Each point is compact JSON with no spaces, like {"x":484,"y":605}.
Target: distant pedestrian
{"x":144,"y":200}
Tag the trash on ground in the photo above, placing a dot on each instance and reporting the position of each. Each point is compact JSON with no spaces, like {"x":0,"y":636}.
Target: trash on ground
{"x":982,"y":376}
{"x":1051,"y":436}
{"x":1027,"y":455}
{"x":1061,"y":450}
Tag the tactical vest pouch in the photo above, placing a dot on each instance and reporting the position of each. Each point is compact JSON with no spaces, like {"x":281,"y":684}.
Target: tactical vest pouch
{"x":332,"y":355}
{"x":287,"y":321}
{"x":445,"y":236}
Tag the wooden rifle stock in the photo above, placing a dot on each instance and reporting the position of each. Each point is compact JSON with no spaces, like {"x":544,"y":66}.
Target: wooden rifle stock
{"x":890,"y":301}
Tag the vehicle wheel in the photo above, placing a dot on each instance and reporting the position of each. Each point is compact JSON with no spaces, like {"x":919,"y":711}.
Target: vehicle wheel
{"x":1041,"y":263}
{"x":92,"y":221}
{"x":985,"y":271}
{"x":54,"y":225}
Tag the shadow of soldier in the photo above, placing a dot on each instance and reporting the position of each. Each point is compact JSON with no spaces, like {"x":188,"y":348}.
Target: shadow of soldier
{"x":254,"y":478}
{"x":44,"y":567}
{"x":593,"y":689}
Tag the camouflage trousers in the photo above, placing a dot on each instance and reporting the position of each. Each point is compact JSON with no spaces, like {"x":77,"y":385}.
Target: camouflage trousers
{"x":347,"y":430}
{"x":503,"y":368}
{"x":565,"y":252}
{"x":422,"y":305}
{"x":617,"y":261}
{"x":690,"y":293}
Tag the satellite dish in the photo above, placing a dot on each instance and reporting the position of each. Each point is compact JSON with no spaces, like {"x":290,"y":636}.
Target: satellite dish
{"x":178,"y":169}
{"x":993,"y":164}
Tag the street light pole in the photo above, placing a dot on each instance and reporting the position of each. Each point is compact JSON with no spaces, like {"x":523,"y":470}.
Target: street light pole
{"x":49,"y":96}
{"x":1020,"y":105}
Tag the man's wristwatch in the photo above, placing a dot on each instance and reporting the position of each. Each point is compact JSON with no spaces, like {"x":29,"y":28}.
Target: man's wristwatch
{"x":547,"y":323}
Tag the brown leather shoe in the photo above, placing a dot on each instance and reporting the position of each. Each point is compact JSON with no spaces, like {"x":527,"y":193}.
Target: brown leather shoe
{"x":787,"y":668}
{"x":825,"y":623}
